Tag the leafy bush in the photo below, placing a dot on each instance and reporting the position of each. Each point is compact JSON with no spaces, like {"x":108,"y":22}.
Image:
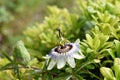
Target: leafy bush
{"x":95,"y":23}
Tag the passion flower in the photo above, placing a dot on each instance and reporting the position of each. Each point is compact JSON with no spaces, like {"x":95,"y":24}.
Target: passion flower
{"x":61,"y":55}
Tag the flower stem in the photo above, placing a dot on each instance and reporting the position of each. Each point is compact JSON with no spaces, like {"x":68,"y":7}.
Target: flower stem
{"x":73,"y":75}
{"x":83,"y":65}
{"x":93,"y":75}
{"x":34,"y":68}
{"x":17,"y":72}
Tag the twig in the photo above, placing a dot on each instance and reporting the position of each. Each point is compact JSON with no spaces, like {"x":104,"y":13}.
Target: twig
{"x":93,"y":75}
{"x":34,"y":68}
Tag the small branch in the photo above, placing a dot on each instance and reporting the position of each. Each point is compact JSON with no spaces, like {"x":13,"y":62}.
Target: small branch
{"x":85,"y":64}
{"x":34,"y":68}
{"x":93,"y":75}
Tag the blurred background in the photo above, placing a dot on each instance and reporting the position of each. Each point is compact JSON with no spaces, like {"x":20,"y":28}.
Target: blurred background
{"x":16,"y":15}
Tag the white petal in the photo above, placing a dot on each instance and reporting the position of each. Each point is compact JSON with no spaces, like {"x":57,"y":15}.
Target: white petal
{"x":77,"y":56}
{"x":70,"y":61}
{"x":61,"y":63}
{"x":51,"y":64}
{"x":46,"y":57}
{"x":77,"y":41}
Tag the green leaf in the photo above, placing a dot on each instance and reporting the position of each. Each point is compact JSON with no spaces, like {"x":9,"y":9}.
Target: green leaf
{"x":7,"y":66}
{"x":106,"y":29}
{"x":117,"y":43}
{"x":89,"y":40}
{"x":89,"y":50}
{"x":104,"y":63}
{"x":103,"y":41}
{"x":117,"y":68}
{"x":63,"y":77}
{"x":79,"y":77}
{"x":111,"y":52}
{"x":96,"y":43}
{"x":6,"y":55}
{"x":107,"y":17}
{"x":100,"y":16}
{"x":90,"y":66}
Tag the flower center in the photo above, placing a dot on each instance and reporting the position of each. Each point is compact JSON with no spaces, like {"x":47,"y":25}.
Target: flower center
{"x":63,"y":49}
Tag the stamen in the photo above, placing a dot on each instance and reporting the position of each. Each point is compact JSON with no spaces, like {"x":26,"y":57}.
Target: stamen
{"x":60,"y":34}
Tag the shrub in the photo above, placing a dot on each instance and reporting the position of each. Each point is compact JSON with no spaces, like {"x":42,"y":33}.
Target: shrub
{"x":95,"y":23}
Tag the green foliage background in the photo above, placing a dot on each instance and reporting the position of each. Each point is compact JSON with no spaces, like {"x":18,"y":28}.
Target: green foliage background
{"x":94,"y":22}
